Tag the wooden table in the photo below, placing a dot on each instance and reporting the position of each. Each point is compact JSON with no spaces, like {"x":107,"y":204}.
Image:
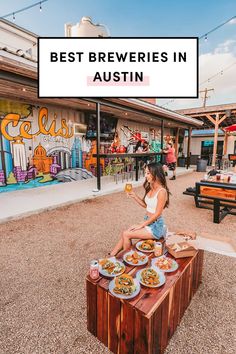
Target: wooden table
{"x":145,"y":323}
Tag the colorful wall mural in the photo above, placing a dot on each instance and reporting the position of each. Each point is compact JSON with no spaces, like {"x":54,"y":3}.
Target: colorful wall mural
{"x":38,"y":146}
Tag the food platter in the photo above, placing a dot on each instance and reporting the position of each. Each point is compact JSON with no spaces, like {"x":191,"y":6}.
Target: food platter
{"x":111,"y":267}
{"x":146,"y":246}
{"x":130,"y":294}
{"x":135,"y":258}
{"x":151,"y":277}
{"x":165,"y":264}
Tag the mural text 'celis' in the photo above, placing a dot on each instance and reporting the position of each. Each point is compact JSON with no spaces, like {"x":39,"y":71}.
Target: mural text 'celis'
{"x":25,"y":127}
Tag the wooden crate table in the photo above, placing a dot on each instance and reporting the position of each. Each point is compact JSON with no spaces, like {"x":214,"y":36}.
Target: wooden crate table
{"x":145,"y":323}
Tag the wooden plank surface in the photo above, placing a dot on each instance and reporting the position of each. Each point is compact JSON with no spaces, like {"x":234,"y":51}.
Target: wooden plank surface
{"x":164,"y":323}
{"x":152,"y":297}
{"x":91,"y":290}
{"x":114,"y":313}
{"x":142,"y":335}
{"x":127,"y":326}
{"x":146,"y":323}
{"x":156,"y":331}
{"x":102,"y":315}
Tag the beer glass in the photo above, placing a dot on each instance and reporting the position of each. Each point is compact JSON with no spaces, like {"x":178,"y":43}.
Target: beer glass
{"x":128,"y":187}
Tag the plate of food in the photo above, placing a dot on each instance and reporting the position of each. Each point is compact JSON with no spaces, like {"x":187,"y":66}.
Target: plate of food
{"x":135,"y":258}
{"x":146,"y":246}
{"x":111,"y":267}
{"x":165,"y":264}
{"x":124,"y":286}
{"x":151,"y":277}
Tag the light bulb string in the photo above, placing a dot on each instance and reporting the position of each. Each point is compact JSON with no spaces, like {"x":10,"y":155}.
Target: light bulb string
{"x":24,"y":9}
{"x":221,"y":72}
{"x":217,"y":27}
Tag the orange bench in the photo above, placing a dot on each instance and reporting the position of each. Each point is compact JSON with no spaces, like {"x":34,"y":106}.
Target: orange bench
{"x":221,"y":198}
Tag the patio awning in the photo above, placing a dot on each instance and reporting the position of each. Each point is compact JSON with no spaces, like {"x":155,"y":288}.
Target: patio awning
{"x":231,"y":128}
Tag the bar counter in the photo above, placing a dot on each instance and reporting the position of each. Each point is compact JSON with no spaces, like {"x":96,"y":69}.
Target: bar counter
{"x":136,"y":156}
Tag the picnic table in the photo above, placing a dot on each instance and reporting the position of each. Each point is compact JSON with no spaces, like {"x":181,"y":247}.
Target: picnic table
{"x":217,"y":196}
{"x":145,"y":323}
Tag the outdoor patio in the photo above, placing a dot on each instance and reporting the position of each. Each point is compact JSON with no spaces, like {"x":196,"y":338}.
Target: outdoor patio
{"x":45,"y":258}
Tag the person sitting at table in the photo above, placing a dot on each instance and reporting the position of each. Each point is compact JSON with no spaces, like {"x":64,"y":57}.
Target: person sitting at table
{"x":156,"y":198}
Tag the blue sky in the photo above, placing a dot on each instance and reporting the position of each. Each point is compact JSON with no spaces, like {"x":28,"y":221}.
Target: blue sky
{"x":148,"y":18}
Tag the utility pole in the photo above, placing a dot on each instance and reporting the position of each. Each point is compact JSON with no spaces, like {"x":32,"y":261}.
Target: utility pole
{"x":205,"y":95}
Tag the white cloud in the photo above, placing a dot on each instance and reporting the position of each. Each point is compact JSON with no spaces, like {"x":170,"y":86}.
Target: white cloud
{"x":217,"y":71}
{"x":228,"y":46}
{"x":233,"y":21}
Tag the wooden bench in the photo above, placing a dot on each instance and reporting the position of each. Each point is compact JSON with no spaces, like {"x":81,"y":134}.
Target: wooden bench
{"x":145,"y":323}
{"x":219,"y":197}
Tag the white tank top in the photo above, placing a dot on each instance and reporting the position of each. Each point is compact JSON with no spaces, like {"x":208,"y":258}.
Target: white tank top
{"x":151,"y":202}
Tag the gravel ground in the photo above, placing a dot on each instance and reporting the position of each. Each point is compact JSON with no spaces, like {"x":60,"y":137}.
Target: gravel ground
{"x":44,"y":260}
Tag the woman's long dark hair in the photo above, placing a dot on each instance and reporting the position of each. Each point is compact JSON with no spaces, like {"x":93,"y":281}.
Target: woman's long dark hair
{"x":158,"y":173}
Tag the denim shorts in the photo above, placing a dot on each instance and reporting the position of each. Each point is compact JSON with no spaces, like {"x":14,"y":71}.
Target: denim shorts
{"x":157,"y":228}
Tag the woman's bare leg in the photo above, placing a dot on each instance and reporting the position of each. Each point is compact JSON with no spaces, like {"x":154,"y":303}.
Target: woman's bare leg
{"x":118,"y":247}
{"x":142,"y":234}
{"x":126,"y":237}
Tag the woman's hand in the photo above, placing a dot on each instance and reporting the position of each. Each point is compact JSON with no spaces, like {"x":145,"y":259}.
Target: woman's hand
{"x":132,"y":194}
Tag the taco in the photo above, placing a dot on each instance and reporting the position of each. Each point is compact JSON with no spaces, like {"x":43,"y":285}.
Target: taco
{"x":124,"y":280}
{"x":148,"y":246}
{"x":150,"y":277}
{"x":124,"y":285}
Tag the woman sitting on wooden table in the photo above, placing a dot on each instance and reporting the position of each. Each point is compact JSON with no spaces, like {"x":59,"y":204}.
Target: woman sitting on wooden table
{"x":155,"y":199}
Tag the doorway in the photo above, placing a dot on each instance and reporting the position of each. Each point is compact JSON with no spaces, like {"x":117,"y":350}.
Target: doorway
{"x":207,"y":150}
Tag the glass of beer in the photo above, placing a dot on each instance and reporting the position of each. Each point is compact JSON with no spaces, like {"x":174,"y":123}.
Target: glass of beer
{"x":225,"y":179}
{"x":128,"y":187}
{"x":218,"y":177}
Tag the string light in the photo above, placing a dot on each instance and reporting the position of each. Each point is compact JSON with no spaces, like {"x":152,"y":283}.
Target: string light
{"x":39,"y":3}
{"x":231,"y":20}
{"x":221,"y":72}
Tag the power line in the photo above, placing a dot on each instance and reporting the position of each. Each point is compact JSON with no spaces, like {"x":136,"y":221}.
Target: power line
{"x":205,"y":36}
{"x":231,"y":19}
{"x":24,"y":9}
{"x":221,"y":72}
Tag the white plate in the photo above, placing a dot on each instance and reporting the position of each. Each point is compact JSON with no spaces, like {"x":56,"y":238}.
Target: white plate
{"x":120,"y":296}
{"x":162,"y":277}
{"x":139,"y":262}
{"x":173,"y":268}
{"x":111,"y":275}
{"x":138,"y":244}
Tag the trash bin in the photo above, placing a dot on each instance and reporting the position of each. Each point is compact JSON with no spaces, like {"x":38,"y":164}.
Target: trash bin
{"x":181,"y":161}
{"x":201,"y":165}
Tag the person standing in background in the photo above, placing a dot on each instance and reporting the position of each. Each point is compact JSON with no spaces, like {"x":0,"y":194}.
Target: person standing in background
{"x":171,"y":159}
